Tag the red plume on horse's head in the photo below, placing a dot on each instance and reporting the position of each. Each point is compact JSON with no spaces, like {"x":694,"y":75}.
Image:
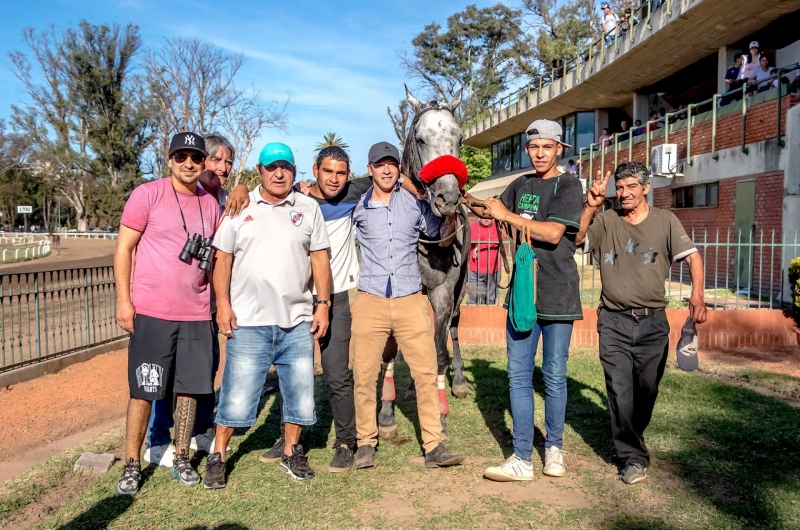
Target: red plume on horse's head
{"x":444,"y":165}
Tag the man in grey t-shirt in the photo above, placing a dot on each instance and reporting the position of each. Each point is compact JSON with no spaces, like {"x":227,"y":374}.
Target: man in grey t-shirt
{"x":635,"y":247}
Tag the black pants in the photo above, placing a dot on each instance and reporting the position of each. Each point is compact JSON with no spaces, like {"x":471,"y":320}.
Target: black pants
{"x":633,"y":352}
{"x":335,"y":350}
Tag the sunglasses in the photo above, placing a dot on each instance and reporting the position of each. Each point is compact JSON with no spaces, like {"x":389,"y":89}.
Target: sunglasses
{"x":181,"y":158}
{"x":279,"y":164}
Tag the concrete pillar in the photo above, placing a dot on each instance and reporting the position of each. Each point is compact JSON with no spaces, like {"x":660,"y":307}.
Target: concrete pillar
{"x":600,"y":122}
{"x":791,"y":187}
{"x":724,"y":60}
{"x":641,"y":107}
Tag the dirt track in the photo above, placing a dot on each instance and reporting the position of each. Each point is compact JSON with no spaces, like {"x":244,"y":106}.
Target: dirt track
{"x":73,"y":253}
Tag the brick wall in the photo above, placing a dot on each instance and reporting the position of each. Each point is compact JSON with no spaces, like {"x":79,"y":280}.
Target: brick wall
{"x":708,"y":224}
{"x":761,"y":125}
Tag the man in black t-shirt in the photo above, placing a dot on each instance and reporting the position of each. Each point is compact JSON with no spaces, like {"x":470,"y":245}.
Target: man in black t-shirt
{"x":549,"y":205}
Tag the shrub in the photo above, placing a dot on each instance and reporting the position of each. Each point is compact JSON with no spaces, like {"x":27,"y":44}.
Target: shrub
{"x":794,"y":281}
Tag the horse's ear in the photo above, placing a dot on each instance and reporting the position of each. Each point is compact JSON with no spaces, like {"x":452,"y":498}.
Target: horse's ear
{"x":415,"y":103}
{"x":456,"y":101}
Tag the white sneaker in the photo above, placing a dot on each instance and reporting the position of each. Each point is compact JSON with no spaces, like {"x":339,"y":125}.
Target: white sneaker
{"x":204,"y":442}
{"x":163,"y":455}
{"x":514,"y":468}
{"x":554,"y":462}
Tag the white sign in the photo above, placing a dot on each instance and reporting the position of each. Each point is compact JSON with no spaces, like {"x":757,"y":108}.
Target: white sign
{"x":24,"y":209}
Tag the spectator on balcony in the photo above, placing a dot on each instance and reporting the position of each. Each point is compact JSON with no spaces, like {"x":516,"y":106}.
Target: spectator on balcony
{"x":638,"y":130}
{"x":761,"y":74}
{"x":655,"y":124}
{"x":572,"y":168}
{"x":627,"y":22}
{"x":624,"y":132}
{"x":483,"y":263}
{"x":732,"y":80}
{"x":609,"y":22}
{"x":681,"y":115}
{"x":750,"y":62}
{"x":605,"y":138}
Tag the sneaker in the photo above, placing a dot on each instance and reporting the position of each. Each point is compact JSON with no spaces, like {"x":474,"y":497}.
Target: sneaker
{"x":131,"y":477}
{"x":161,"y":455}
{"x":205,"y":442}
{"x":296,"y":466}
{"x":365,"y":457}
{"x":342,"y":460}
{"x":215,"y":472}
{"x":182,"y":470}
{"x":274,"y":454}
{"x":554,"y":462}
{"x":442,"y":457}
{"x":513,"y":469}
{"x":634,"y":473}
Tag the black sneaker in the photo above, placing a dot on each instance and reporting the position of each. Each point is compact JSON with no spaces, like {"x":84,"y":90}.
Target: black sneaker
{"x":215,"y":472}
{"x":365,"y":457}
{"x":274,"y":454}
{"x":441,"y":457}
{"x":342,"y":460}
{"x":131,"y":477}
{"x":297,"y":465}
{"x":634,"y":473}
{"x":182,"y":470}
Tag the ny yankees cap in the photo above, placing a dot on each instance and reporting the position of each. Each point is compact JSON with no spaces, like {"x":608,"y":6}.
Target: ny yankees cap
{"x":383,"y":150}
{"x":187,"y":140}
{"x":545,"y":130}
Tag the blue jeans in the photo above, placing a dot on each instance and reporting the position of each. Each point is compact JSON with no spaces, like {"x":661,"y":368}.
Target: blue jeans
{"x":161,"y":417}
{"x":610,"y":38}
{"x":521,"y":349}
{"x":248,"y":356}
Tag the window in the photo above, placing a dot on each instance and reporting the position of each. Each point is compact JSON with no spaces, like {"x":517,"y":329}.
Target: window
{"x":568,"y":124}
{"x":525,"y":160}
{"x":699,"y":196}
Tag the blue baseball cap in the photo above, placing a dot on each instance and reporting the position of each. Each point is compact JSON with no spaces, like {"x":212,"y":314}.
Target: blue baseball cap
{"x":275,"y":151}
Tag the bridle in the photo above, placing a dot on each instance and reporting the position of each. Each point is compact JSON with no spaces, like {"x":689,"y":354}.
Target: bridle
{"x":411,"y":158}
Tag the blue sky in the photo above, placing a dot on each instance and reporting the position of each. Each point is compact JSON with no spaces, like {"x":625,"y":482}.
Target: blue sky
{"x":338,"y":60}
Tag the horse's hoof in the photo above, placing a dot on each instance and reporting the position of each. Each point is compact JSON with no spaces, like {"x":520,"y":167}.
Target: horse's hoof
{"x":387,"y":432}
{"x":460,"y":391}
{"x":411,"y":395}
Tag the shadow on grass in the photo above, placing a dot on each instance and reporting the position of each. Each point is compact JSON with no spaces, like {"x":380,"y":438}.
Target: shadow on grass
{"x":739,"y":450}
{"x":108,"y":509}
{"x":221,"y":526}
{"x":637,"y":522}
{"x":408,"y":408}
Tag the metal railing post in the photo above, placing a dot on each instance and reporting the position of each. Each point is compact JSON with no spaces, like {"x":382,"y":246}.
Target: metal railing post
{"x":616,"y":150}
{"x":781,"y":142}
{"x":669,"y":8}
{"x":630,"y":144}
{"x":647,"y":144}
{"x":603,"y":156}
{"x":591,"y":159}
{"x":745,"y":150}
{"x":714,"y":104}
{"x":689,"y":133}
{"x":616,"y":38}
{"x":36,"y":312}
{"x":666,"y":126}
{"x":86,"y":305}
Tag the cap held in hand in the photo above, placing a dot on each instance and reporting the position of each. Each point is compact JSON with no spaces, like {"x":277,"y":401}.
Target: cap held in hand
{"x":444,"y":165}
{"x":687,"y":347}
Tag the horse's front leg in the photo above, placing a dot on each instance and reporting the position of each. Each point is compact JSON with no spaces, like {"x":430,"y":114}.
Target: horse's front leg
{"x":387,"y":424}
{"x":460,"y":388}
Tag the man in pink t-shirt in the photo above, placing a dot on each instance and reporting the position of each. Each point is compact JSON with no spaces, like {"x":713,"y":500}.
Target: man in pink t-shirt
{"x":166,"y":304}
{"x":483,"y":265}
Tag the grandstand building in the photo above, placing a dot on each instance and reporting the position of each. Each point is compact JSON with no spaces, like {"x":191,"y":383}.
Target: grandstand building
{"x":728,"y":165}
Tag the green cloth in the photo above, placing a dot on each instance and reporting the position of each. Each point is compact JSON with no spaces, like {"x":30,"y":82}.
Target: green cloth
{"x":521,"y":305}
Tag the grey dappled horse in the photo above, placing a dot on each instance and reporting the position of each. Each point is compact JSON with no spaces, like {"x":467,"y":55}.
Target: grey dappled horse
{"x":433,"y":133}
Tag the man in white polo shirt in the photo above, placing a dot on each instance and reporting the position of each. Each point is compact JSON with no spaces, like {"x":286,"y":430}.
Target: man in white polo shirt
{"x":264,"y":264}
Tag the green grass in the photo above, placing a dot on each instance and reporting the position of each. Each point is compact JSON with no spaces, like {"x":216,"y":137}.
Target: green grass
{"x":723,"y":457}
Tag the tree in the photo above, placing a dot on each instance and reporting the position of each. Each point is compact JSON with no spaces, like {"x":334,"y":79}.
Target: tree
{"x":478,"y":162}
{"x":561,"y":31}
{"x":53,"y":122}
{"x":332,"y":140}
{"x":192,"y":83}
{"x":401,"y":121}
{"x":481,"y":51}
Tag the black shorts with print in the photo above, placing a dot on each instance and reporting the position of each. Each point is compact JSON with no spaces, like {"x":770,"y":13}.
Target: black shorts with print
{"x":167,"y":354}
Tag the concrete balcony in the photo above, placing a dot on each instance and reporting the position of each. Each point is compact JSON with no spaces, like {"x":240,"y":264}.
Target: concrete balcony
{"x":680,"y":33}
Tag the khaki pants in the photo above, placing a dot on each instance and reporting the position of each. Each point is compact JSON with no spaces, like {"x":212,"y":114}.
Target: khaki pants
{"x":374,"y":318}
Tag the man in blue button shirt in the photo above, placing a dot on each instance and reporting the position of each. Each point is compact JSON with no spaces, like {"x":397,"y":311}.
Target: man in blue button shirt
{"x":388,"y":223}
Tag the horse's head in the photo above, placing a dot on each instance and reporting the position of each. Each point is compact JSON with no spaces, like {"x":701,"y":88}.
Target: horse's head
{"x":433,"y":133}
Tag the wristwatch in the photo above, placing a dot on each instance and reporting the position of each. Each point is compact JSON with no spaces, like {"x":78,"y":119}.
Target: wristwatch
{"x":324,"y":302}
